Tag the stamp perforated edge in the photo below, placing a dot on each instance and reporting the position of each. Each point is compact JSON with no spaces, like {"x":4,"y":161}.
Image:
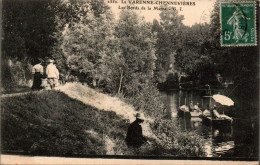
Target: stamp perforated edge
{"x":238,"y":45}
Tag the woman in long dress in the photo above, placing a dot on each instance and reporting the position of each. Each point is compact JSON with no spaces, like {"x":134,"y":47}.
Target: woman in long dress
{"x":37,"y":72}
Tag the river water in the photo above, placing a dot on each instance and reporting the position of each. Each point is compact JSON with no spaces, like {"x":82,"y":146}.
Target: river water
{"x":237,"y":141}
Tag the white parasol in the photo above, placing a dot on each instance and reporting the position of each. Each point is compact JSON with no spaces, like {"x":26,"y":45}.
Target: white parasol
{"x":224,"y":100}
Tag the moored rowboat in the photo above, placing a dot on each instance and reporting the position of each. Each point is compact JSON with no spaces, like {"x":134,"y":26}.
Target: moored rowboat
{"x":184,"y":111}
{"x":223,"y":120}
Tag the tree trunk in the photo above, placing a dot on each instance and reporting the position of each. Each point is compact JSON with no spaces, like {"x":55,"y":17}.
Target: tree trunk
{"x":120,"y":83}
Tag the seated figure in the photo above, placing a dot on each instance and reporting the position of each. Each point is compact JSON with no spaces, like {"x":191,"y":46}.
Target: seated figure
{"x":216,"y":114}
{"x":196,"y":107}
{"x":206,"y":112}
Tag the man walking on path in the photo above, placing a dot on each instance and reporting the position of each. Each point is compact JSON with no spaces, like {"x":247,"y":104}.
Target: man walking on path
{"x":52,"y":74}
{"x":37,"y":72}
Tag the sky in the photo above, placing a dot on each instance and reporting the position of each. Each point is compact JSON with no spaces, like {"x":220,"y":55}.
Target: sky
{"x":200,"y":13}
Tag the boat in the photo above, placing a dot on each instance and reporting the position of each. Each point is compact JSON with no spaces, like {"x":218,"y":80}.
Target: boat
{"x":223,"y":120}
{"x":196,"y":114}
{"x":184,"y":111}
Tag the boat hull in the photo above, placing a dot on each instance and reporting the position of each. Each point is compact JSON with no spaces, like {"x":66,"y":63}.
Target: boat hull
{"x":183,"y":113}
{"x":196,"y":114}
{"x":216,"y":122}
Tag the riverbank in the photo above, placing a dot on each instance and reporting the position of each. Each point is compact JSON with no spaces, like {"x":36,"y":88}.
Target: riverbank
{"x":77,"y":120}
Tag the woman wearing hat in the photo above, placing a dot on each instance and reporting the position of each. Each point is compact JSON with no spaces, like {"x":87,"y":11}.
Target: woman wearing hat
{"x":37,"y":72}
{"x":134,"y":137}
{"x":52,"y":74}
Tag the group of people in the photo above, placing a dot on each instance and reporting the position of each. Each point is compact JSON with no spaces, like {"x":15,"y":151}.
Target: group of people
{"x":52,"y":74}
{"x":194,"y":108}
{"x":215,"y":114}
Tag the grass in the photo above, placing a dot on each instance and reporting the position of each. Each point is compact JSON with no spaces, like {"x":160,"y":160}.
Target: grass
{"x":15,"y":89}
{"x":51,"y":123}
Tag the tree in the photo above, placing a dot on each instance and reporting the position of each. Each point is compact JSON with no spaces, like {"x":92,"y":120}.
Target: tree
{"x":84,"y":31}
{"x":169,"y":41}
{"x":192,"y":57}
{"x":136,"y":43}
{"x":26,"y":36}
{"x":26,"y":33}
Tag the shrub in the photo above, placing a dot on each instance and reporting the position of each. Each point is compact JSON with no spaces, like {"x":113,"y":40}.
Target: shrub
{"x":148,"y":100}
{"x":177,"y":142}
{"x":15,"y":76}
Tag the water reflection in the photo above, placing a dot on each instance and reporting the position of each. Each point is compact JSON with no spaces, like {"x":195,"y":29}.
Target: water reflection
{"x":239,"y":140}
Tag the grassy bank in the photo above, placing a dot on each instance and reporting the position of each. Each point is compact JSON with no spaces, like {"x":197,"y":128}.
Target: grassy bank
{"x":51,"y":123}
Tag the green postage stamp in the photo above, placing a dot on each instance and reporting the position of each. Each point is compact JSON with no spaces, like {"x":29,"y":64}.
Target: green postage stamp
{"x":238,"y":24}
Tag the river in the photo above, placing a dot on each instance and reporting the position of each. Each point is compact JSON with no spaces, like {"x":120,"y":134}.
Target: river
{"x":237,"y":141}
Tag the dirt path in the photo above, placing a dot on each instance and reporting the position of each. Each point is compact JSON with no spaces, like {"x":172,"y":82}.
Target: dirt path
{"x":99,"y":100}
{"x":18,"y":94}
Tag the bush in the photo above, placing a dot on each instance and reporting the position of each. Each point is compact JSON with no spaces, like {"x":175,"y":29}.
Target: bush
{"x":15,"y":76}
{"x":177,"y":142}
{"x":148,"y":100}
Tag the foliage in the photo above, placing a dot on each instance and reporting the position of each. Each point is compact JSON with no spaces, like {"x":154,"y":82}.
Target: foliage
{"x":26,"y":36}
{"x":169,"y":39}
{"x":177,"y":142}
{"x":15,"y":76}
{"x":135,"y":41}
{"x":83,"y":35}
{"x":148,"y":100}
{"x":26,"y":33}
{"x":191,"y":58}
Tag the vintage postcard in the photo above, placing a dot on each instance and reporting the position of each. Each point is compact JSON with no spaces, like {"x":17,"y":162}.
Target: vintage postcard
{"x":130,"y":82}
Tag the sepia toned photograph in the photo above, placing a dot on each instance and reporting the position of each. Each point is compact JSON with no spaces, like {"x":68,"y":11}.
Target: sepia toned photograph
{"x":159,"y":81}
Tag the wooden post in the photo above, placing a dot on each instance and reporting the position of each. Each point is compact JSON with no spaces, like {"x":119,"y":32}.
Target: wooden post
{"x":179,"y":98}
{"x":211,"y":111}
{"x":185,"y":101}
{"x":185,"y":122}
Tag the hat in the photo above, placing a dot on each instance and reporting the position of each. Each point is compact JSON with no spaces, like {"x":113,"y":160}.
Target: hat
{"x":139,"y":116}
{"x":37,"y":61}
{"x":51,"y":61}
